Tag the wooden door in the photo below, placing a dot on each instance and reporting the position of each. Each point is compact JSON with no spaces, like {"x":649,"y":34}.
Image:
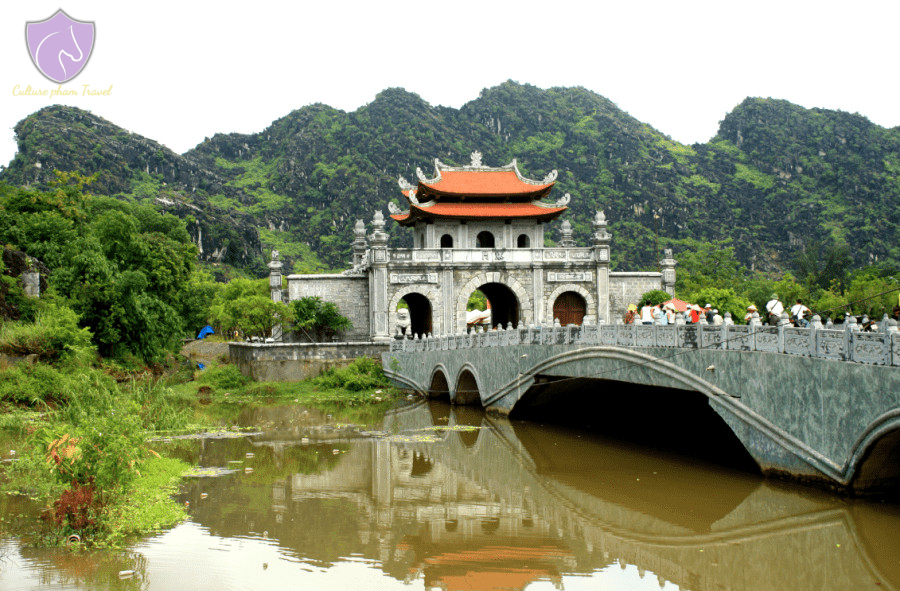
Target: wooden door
{"x":569,"y":308}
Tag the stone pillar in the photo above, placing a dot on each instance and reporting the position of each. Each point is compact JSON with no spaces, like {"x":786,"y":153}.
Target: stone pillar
{"x":275,"y":285}
{"x":275,"y":290}
{"x":565,"y":235}
{"x":600,"y":239}
{"x":667,"y":265}
{"x":31,"y":283}
{"x":359,"y":243}
{"x":379,"y":314}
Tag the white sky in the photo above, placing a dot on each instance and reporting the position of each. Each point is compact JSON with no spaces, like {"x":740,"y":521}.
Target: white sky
{"x":181,"y":72}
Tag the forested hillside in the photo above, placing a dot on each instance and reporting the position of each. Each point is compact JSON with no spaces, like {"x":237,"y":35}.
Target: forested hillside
{"x":787,"y":185}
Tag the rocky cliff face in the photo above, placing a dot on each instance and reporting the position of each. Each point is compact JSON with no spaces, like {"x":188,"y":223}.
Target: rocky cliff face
{"x":132,"y":166}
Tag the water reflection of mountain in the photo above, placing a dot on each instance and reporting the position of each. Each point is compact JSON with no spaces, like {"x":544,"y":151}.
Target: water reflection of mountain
{"x":461,"y":500}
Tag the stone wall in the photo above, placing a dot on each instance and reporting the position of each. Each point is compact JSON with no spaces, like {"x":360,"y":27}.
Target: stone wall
{"x":280,"y":362}
{"x":350,"y":294}
{"x":627,"y":288}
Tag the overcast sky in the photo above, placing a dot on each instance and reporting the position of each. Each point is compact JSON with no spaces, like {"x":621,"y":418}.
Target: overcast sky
{"x":181,"y":72}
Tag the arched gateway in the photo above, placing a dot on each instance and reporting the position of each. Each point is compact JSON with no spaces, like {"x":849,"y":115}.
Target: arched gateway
{"x":476,"y":227}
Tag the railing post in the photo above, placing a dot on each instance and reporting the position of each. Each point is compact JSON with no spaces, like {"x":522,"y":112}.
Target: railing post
{"x":814,"y":327}
{"x":782,"y":322}
{"x":850,"y":326}
{"x":755,"y":323}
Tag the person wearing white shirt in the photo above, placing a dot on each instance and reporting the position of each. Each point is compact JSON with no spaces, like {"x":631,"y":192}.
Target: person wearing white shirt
{"x":799,"y":313}
{"x":774,"y":307}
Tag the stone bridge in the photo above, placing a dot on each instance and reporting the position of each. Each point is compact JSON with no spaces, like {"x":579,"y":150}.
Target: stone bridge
{"x":818,"y":404}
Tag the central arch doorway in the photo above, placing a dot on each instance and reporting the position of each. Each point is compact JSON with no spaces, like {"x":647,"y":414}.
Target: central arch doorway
{"x":419,"y":313}
{"x":503,"y":304}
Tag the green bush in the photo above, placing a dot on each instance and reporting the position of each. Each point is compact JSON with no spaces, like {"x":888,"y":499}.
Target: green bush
{"x":32,"y":385}
{"x":54,"y":334}
{"x":316,"y":319}
{"x":223,"y":377}
{"x":724,"y":300}
{"x":655,"y":297}
{"x":362,"y":374}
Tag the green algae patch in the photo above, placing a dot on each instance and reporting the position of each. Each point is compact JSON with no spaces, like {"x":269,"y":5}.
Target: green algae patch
{"x":148,"y":506}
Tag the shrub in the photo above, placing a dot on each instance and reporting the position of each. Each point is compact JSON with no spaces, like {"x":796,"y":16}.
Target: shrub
{"x":362,"y":374}
{"x":724,"y":300}
{"x":224,"y":377}
{"x":655,"y":297}
{"x":318,"y":320}
{"x":37,"y":385}
{"x":77,"y":507}
{"x":54,"y":333}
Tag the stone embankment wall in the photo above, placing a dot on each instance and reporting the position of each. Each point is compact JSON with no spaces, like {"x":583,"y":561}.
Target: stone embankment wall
{"x":280,"y":362}
{"x":203,"y":351}
{"x":350,"y":294}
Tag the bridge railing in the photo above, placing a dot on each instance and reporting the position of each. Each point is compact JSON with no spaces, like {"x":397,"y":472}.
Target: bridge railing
{"x":846,"y":344}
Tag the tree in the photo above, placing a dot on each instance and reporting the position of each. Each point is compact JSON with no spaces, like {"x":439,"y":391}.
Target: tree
{"x":123,"y":268}
{"x":724,"y":300}
{"x":318,"y":320}
{"x":706,"y":264}
{"x":823,"y":265}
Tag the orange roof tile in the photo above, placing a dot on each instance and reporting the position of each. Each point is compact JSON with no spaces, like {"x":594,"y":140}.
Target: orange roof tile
{"x":483,"y":182}
{"x":479,"y":211}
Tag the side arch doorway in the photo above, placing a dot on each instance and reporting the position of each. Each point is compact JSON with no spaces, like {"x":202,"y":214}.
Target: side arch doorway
{"x":569,"y":308}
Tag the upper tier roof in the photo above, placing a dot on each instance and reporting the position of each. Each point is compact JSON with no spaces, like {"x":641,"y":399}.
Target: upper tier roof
{"x":476,"y":191}
{"x":478,"y":181}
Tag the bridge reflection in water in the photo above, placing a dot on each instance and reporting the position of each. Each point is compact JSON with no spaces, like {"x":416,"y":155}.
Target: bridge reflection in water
{"x":446,"y":496}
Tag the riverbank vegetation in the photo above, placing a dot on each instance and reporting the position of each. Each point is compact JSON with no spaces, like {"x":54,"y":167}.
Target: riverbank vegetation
{"x":85,"y":437}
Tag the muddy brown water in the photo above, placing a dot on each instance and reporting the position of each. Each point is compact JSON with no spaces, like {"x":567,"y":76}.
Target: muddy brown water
{"x":435,"y":497}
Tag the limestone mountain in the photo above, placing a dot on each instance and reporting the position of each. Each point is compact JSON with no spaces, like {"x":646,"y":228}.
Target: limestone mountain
{"x":777,"y":179}
{"x":134,"y":167}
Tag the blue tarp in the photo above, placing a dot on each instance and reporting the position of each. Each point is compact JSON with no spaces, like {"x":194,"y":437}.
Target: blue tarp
{"x":206,"y":330}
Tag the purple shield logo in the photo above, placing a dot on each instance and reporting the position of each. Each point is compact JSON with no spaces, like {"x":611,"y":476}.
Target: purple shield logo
{"x":60,"y":46}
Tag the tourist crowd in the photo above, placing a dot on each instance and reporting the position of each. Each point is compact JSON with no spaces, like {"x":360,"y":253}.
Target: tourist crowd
{"x":799,"y":315}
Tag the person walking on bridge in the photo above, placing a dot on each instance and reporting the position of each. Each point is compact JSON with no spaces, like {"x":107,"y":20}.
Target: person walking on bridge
{"x":774,"y":308}
{"x":799,"y":313}
{"x":647,"y":313}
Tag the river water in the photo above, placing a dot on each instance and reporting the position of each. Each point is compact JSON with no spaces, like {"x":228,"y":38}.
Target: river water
{"x":439,"y":497}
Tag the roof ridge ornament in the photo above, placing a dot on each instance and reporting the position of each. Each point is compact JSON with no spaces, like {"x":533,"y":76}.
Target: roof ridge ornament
{"x":405,"y":185}
{"x":412,"y":197}
{"x":437,"y":171}
{"x":476,"y":159}
{"x":550,"y":177}
{"x":394,"y":208}
{"x":564,"y":200}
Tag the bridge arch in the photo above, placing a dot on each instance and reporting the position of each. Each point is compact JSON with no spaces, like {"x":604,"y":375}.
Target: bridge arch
{"x":468,"y":389}
{"x":439,"y":388}
{"x":469,"y":420}
{"x":523,"y":302}
{"x":421,"y":310}
{"x":654,"y":391}
{"x":590,"y":314}
{"x":874,"y":466}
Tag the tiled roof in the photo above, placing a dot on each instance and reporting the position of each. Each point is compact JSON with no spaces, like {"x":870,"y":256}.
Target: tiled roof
{"x":483,"y":182}
{"x":481,"y":211}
